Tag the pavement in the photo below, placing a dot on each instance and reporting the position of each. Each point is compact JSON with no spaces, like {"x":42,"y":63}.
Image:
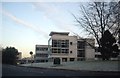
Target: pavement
{"x":109,"y":66}
{"x":15,"y":71}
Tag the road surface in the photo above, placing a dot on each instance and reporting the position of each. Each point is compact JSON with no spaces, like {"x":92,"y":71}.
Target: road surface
{"x":10,"y":70}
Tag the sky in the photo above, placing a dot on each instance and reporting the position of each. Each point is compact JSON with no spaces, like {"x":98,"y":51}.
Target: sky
{"x":25,"y":24}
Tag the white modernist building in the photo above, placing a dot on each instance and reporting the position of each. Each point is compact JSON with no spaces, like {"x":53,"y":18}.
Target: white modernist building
{"x":19,"y":56}
{"x":41,"y":53}
{"x":70,"y":48}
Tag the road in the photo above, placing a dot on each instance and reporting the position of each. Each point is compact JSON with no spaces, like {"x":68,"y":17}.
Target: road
{"x":10,"y":70}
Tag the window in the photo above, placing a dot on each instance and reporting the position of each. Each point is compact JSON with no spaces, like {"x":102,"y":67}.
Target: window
{"x":59,"y":50}
{"x":41,"y":49}
{"x":81,"y":44}
{"x":98,"y":56}
{"x":81,"y":53}
{"x":37,"y":48}
{"x":65,"y":51}
{"x":54,"y":50}
{"x":58,"y":43}
{"x":64,"y":59}
{"x":70,"y":43}
{"x":60,"y":46}
{"x":70,"y":51}
{"x":65,"y":43}
{"x":54,"y":43}
{"x":45,"y":49}
{"x":72,"y":59}
{"x":41,"y":55}
{"x":37,"y":61}
{"x":42,"y":60}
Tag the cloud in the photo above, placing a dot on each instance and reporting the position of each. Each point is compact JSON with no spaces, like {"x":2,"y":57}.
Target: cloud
{"x":56,"y":14}
{"x":24,"y":23}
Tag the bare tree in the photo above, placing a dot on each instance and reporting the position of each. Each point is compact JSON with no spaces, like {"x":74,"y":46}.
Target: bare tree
{"x":99,"y":17}
{"x":116,"y":13}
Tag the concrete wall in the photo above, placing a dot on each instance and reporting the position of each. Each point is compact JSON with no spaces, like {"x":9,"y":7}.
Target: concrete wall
{"x":19,"y":56}
{"x":89,"y":51}
{"x":72,"y":47}
{"x":89,"y":54}
{"x":41,"y":52}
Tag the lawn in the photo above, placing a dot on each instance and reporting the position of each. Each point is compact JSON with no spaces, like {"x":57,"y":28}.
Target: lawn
{"x":81,"y":65}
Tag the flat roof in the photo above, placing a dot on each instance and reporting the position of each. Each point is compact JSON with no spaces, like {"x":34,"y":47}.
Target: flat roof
{"x":41,"y":45}
{"x":59,"y":33}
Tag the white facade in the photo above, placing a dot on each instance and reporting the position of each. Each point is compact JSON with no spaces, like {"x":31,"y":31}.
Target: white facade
{"x":76,"y":49}
{"x":41,"y":53}
{"x":19,"y":56}
{"x":27,"y":60}
{"x":89,"y":51}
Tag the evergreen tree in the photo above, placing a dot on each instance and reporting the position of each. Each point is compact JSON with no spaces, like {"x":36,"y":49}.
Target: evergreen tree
{"x":108,"y":47}
{"x":9,"y":55}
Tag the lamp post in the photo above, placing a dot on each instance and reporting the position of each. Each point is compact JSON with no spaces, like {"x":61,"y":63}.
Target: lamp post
{"x":31,"y":53}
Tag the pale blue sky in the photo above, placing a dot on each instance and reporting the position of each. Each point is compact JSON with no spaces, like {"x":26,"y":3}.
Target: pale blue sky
{"x":25,"y":24}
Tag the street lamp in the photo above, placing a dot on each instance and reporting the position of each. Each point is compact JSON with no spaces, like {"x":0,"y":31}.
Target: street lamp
{"x":31,"y":53}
